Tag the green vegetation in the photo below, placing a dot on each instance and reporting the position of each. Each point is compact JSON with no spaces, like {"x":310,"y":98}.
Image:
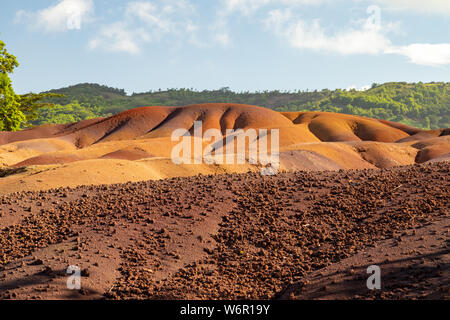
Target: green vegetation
{"x":418,"y":104}
{"x":10,"y":115}
{"x":16,"y":111}
{"x":72,"y":112}
{"x":421,"y":105}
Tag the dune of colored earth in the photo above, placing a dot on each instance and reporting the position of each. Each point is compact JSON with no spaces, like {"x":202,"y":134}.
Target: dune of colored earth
{"x":136,"y":145}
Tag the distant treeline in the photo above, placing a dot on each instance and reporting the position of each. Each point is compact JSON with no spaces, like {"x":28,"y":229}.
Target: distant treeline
{"x":425,"y":105}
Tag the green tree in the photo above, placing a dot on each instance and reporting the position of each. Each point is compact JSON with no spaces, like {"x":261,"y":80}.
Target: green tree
{"x":31,"y":104}
{"x":10,"y":115}
{"x":16,"y":110}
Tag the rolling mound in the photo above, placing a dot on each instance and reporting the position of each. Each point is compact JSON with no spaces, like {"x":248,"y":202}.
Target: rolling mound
{"x":141,"y":138}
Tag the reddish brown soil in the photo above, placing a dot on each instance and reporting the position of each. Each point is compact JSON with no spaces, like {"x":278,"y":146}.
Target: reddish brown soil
{"x":414,"y":265}
{"x":128,"y":154}
{"x":235,"y":236}
{"x":49,"y":159}
{"x":155,"y":121}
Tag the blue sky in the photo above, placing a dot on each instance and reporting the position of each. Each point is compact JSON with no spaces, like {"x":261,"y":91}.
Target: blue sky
{"x":241,"y":44}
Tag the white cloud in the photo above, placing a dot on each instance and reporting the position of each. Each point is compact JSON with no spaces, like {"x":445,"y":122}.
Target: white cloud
{"x":419,"y":6}
{"x":117,"y":37}
{"x":150,"y":14}
{"x":249,"y":6}
{"x":243,"y":6}
{"x":364,"y":41}
{"x":160,"y":18}
{"x":221,"y":34}
{"x":192,"y":30}
{"x":223,"y":38}
{"x":219,"y":31}
{"x":63,"y":16}
{"x":276,"y":19}
{"x":424,"y":53}
{"x":146,"y":21}
{"x":370,"y":37}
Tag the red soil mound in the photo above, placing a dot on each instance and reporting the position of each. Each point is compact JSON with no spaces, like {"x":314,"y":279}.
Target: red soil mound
{"x":45,"y":131}
{"x":408,"y":129}
{"x":307,"y":161}
{"x":423,"y":135}
{"x":151,"y":122}
{"x":433,"y":152}
{"x":315,"y":140}
{"x":155,"y":122}
{"x":341,"y":127}
{"x":35,"y":133}
{"x":128,"y":154}
{"x":46,"y":159}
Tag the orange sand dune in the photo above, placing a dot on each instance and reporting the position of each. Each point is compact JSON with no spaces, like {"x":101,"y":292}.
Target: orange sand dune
{"x":136,"y":145}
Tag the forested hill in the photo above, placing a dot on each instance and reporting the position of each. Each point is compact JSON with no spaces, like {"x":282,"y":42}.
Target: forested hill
{"x":418,"y":104}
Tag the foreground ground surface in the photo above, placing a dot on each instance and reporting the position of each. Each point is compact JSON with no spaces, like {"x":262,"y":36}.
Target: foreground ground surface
{"x":236,"y":236}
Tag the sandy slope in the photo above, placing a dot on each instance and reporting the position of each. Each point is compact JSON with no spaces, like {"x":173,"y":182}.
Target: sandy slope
{"x":136,"y":145}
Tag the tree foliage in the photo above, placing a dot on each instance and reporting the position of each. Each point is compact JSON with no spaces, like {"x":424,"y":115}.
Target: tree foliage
{"x":10,"y":115}
{"x":16,"y":111}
